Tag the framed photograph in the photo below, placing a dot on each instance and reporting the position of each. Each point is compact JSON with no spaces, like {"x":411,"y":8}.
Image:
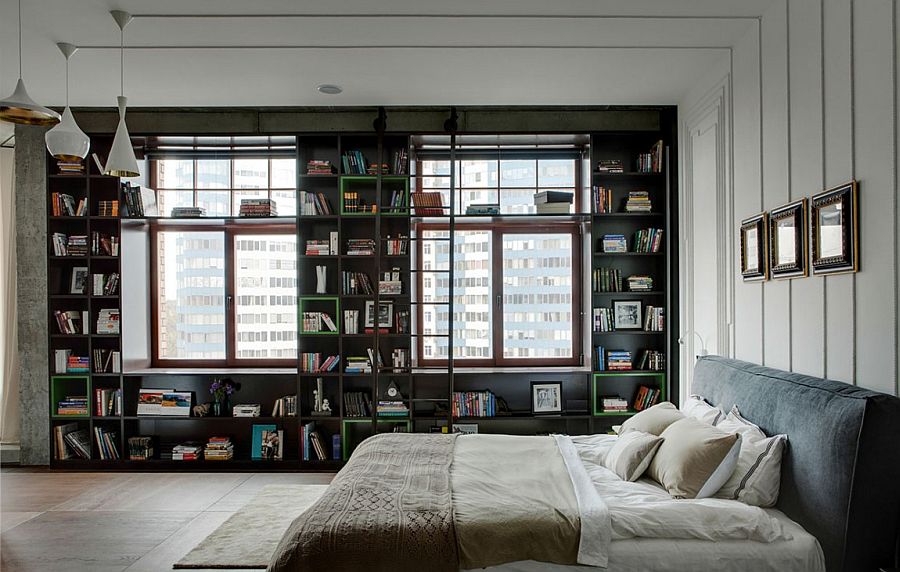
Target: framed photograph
{"x":627,"y":314}
{"x":546,"y":397}
{"x":835,"y":230}
{"x":754,"y":266}
{"x":787,"y":240}
{"x":79,"y":280}
{"x":385,"y":314}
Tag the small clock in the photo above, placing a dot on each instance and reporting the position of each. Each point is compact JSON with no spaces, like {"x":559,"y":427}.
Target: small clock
{"x":392,"y":392}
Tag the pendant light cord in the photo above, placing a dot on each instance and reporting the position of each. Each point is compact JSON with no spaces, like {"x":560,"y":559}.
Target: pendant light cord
{"x":121,"y":59}
{"x":20,"y":39}
{"x":67,"y":81}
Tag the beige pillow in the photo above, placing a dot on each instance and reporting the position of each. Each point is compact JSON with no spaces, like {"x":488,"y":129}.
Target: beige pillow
{"x":631,"y":455}
{"x":697,"y":407}
{"x":653,"y":420}
{"x":757,"y":477}
{"x":695,"y":459}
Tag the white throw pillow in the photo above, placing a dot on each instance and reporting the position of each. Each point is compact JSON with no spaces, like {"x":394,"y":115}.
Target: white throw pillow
{"x":696,"y":406}
{"x":757,"y":478}
{"x":631,"y":454}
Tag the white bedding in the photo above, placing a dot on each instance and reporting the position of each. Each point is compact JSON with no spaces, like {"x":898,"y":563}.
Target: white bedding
{"x":651,"y":531}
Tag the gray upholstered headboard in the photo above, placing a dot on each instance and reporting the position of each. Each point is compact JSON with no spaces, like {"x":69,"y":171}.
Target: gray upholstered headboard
{"x":840,"y":478}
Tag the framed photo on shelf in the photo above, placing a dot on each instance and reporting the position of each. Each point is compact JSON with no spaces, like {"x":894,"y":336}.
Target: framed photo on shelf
{"x":79,"y":280}
{"x":835,"y":230}
{"x":627,"y":314}
{"x":464,"y":428}
{"x":787,"y":240}
{"x":546,"y":397}
{"x":754,"y":266}
{"x":385,"y":314}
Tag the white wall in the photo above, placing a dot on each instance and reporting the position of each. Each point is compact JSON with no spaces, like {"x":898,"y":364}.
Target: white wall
{"x":815,"y":104}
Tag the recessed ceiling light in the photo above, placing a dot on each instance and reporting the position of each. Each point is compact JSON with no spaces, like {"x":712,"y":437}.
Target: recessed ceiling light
{"x":329,"y":89}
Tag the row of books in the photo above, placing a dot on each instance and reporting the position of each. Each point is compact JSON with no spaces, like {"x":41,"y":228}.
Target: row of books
{"x":140,"y":448}
{"x":603,"y":200}
{"x":474,"y":404}
{"x":72,"y":405}
{"x":108,"y":321}
{"x":314,"y":446}
{"x":355,"y":283}
{"x":105,"y":284}
{"x":315,"y":363}
{"x":107,"y":361}
{"x":71,"y":321}
{"x":428,"y":203}
{"x":107,"y":402}
{"x":652,"y":161}
{"x":104,"y":244}
{"x":71,"y":440}
{"x":62,"y":204}
{"x":285,"y":406}
{"x":648,"y":240}
{"x":357,"y":404}
{"x":351,"y":321}
{"x":646,"y":397}
{"x":322,"y":247}
{"x":652,"y":360}
{"x":74,"y":245}
{"x":312,"y":204}
{"x":139,"y":202}
{"x":638,"y":202}
{"x":108,"y":208}
{"x":319,"y":167}
{"x":610,"y":280}
{"x":354,"y":203}
{"x":354,"y":162}
{"x":399,"y":161}
{"x":315,"y":322}
{"x":65,"y":362}
{"x":396,"y":245}
{"x":398,"y":203}
{"x":399,"y":358}
{"x":259,"y":207}
{"x":360,"y":247}
{"x":603,"y":320}
{"x":654,"y":319}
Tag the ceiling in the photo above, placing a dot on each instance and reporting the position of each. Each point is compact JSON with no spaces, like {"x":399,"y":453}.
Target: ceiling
{"x":408,"y":52}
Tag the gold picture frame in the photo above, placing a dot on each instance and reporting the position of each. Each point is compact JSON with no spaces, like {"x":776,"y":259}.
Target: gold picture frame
{"x":788,"y":234}
{"x":754,"y":248}
{"x":834,"y":230}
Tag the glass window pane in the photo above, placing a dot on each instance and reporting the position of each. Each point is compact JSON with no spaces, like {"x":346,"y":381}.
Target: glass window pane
{"x":285,"y":202}
{"x":175,"y":174}
{"x":478,"y":174}
{"x":251,"y":173}
{"x":518,"y":173}
{"x":265,"y":296}
{"x":216,"y":203}
{"x":213,"y":173}
{"x":517,"y":201}
{"x":191,"y":274}
{"x":556,"y":173}
{"x":537,"y":296}
{"x":171,"y":199}
{"x":284,"y":173}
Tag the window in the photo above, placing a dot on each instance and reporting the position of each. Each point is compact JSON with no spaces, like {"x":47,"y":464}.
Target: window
{"x":225,"y":295}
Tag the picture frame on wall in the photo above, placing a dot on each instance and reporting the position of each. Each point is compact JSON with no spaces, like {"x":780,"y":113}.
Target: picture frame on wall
{"x":79,"y":280}
{"x":788,"y":240}
{"x":546,"y":397}
{"x":627,"y":314}
{"x":385,"y":314}
{"x":834,"y":232}
{"x":754,"y":248}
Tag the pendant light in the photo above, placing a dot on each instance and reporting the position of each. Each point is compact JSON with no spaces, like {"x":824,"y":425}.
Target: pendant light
{"x":19,"y":107}
{"x":67,"y":142}
{"x":121,"y":161}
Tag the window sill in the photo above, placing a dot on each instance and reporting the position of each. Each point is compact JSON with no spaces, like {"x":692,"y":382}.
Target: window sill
{"x":212,"y":371}
{"x":511,"y":369}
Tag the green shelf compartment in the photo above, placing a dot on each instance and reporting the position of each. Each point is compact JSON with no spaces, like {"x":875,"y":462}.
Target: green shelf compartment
{"x":634,"y":379}
{"x":63,"y":385}
{"x":315,"y":304}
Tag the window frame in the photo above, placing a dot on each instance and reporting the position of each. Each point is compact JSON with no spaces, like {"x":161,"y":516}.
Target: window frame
{"x":498,"y":229}
{"x":231,"y":231}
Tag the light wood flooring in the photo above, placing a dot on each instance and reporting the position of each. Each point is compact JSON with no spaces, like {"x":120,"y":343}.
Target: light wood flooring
{"x":112,"y":522}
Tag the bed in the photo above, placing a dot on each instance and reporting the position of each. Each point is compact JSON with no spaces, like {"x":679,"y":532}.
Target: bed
{"x":506,"y":503}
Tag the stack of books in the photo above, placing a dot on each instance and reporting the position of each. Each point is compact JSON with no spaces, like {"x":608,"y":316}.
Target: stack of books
{"x":618,"y":360}
{"x":188,"y":212}
{"x":474,"y":404}
{"x":353,"y":203}
{"x":189,"y":451}
{"x":314,"y":363}
{"x":655,"y":319}
{"x":219,"y":449}
{"x":108,"y":321}
{"x":651,"y":162}
{"x":108,"y":208}
{"x":358,"y":364}
{"x":107,"y":402}
{"x":354,"y":162}
{"x":104,"y":244}
{"x":554,"y":202}
{"x":318,"y":247}
{"x":375,"y":168}
{"x":64,"y":205}
{"x":351,"y":321}
{"x":140,"y":448}
{"x":398,"y":203}
{"x":251,"y":208}
{"x":314,"y":204}
{"x":646,"y":397}
{"x":607,"y":280}
{"x":70,"y":167}
{"x":399,"y":358}
{"x":652,"y":360}
{"x":428,"y":204}
{"x":614,"y":243}
{"x":355,"y":283}
{"x":483,"y":209}
{"x":71,"y":321}
{"x":75,"y":245}
{"x":72,"y":405}
{"x":603,"y":320}
{"x":78,"y":364}
{"x":400,"y":160}
{"x":638,"y":202}
{"x":613,"y":403}
{"x":603,"y":200}
{"x":396,"y":246}
{"x":639,"y":283}
{"x":106,"y":443}
{"x":246,"y":410}
{"x":106,"y":361}
{"x":285,"y":406}
{"x":319,"y":167}
{"x":648,"y":240}
{"x":610,"y":166}
{"x":314,"y":322}
{"x":360,"y":247}
{"x":392,"y":409}
{"x":357,"y":404}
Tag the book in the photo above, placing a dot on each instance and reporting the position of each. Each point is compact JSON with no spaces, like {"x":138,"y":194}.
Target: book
{"x":256,"y":441}
{"x":428,"y":203}
{"x":544,"y":197}
{"x":603,"y":200}
{"x":64,"y":450}
{"x":140,"y":448}
{"x":272,"y":448}
{"x":176,"y":403}
{"x":106,"y":443}
{"x":150,"y":401}
{"x":614,"y":243}
{"x":553,"y":208}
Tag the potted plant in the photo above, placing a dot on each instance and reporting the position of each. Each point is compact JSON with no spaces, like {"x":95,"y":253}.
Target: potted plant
{"x":221,"y":390}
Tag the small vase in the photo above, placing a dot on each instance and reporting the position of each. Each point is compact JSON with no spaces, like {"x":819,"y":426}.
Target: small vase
{"x":216,"y":410}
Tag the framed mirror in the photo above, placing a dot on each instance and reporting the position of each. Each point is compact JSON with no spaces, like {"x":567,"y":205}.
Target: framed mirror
{"x":787,"y":240}
{"x":835,"y":230}
{"x":754,"y":262}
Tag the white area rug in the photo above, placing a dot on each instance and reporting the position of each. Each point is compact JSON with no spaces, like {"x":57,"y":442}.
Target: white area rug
{"x":249,"y":538}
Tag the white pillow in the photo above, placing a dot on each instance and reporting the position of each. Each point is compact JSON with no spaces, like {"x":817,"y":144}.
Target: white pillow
{"x":696,"y":406}
{"x":631,"y":454}
{"x":756,"y":479}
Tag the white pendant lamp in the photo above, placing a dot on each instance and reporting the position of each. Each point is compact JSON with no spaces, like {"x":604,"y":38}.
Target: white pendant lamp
{"x":19,"y":107}
{"x":121,"y":161}
{"x":67,"y":142}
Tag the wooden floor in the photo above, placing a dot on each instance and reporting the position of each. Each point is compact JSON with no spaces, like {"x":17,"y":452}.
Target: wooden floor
{"x":110,"y":522}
